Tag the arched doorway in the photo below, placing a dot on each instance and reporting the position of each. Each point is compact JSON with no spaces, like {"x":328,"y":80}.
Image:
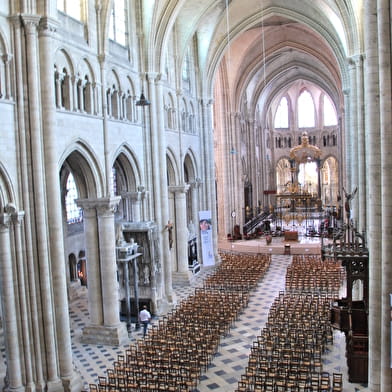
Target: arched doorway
{"x":330,"y":182}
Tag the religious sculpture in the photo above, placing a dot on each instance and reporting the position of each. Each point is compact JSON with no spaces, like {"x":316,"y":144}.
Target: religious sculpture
{"x":169,"y":227}
{"x":120,"y":240}
{"x":349,"y":197}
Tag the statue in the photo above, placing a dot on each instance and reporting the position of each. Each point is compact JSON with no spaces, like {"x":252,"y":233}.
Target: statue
{"x":120,"y":240}
{"x":169,"y":227}
{"x":191,"y":231}
{"x":349,"y":197}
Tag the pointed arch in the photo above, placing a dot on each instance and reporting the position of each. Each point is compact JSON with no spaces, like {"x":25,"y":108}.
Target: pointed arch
{"x":330,"y":180}
{"x":329,"y":111}
{"x":190,"y":166}
{"x":7,"y":194}
{"x":281,"y":119}
{"x":129,"y":101}
{"x":172,"y":168}
{"x":129,"y":169}
{"x":86,"y":88}
{"x":306,"y":109}
{"x":184,"y":115}
{"x":88,"y":174}
{"x":113,"y":89}
{"x":283,"y":175}
{"x":64,"y":71}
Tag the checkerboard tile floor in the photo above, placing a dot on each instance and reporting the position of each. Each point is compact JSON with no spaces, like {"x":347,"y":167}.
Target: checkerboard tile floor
{"x":232,"y":356}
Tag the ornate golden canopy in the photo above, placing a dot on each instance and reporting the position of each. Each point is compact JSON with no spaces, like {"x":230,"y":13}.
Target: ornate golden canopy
{"x":305,"y":152}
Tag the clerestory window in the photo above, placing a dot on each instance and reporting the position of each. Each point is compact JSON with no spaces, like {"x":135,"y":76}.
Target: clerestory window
{"x":72,"y":8}
{"x":118,"y":22}
{"x":306,"y":111}
{"x":330,"y":117}
{"x":282,"y":114}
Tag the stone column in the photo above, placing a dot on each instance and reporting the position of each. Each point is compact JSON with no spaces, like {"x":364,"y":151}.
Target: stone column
{"x":71,"y":380}
{"x":92,"y":261}
{"x":107,"y":242}
{"x":57,"y":82}
{"x":7,"y":60}
{"x":23,"y":294}
{"x":351,"y":138}
{"x":345,"y":153}
{"x":29,"y":224}
{"x":360,"y":202}
{"x":181,"y":228}
{"x":103,"y":301}
{"x":12,"y":344}
{"x":105,"y":111}
{"x":384,"y":36}
{"x":209,"y":165}
{"x":40,"y":208}
{"x":195,"y":186}
{"x":160,"y":177}
{"x":373,"y":164}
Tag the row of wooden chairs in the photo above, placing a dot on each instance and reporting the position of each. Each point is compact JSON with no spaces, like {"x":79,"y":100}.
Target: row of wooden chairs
{"x":182,"y":344}
{"x":310,"y":273}
{"x":287,"y":383}
{"x":287,"y":356}
{"x":248,"y":267}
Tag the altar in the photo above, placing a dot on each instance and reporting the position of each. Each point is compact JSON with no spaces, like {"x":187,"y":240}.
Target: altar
{"x":291,"y":235}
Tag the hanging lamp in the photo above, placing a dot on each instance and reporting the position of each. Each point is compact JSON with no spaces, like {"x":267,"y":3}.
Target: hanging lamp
{"x":142,"y":100}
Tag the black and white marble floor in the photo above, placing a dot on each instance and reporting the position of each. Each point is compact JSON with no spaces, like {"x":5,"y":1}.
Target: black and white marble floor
{"x":232,"y":357}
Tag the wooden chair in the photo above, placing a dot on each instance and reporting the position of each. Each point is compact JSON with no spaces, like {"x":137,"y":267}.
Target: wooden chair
{"x":337,"y":382}
{"x":325,"y":382}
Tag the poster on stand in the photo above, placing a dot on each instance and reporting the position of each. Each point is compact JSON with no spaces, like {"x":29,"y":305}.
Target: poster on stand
{"x":206,"y":237}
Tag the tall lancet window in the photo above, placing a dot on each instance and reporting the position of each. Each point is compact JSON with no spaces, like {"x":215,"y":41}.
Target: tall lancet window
{"x":282,"y":114}
{"x":72,"y":8}
{"x":306,"y":111}
{"x":329,"y":113}
{"x":118,"y":22}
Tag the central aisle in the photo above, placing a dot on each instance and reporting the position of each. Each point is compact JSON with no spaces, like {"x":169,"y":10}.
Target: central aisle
{"x":232,"y":357}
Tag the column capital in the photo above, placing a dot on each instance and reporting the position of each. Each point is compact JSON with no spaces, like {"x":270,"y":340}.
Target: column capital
{"x":179,"y":188}
{"x":102,"y":205}
{"x":356,"y":59}
{"x":18,"y":217}
{"x":196,"y":183}
{"x":5,"y":222}
{"x":6,"y":58}
{"x":206,"y":101}
{"x":153,"y":77}
{"x":134,"y":196}
{"x":30,"y":22}
{"x":14,"y":215}
{"x":48,"y":26}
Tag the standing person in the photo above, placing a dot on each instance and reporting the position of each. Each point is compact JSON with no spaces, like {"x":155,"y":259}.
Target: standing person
{"x":145,"y":317}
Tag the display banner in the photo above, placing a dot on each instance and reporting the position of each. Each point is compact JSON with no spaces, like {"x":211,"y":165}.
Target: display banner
{"x":206,"y":237}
